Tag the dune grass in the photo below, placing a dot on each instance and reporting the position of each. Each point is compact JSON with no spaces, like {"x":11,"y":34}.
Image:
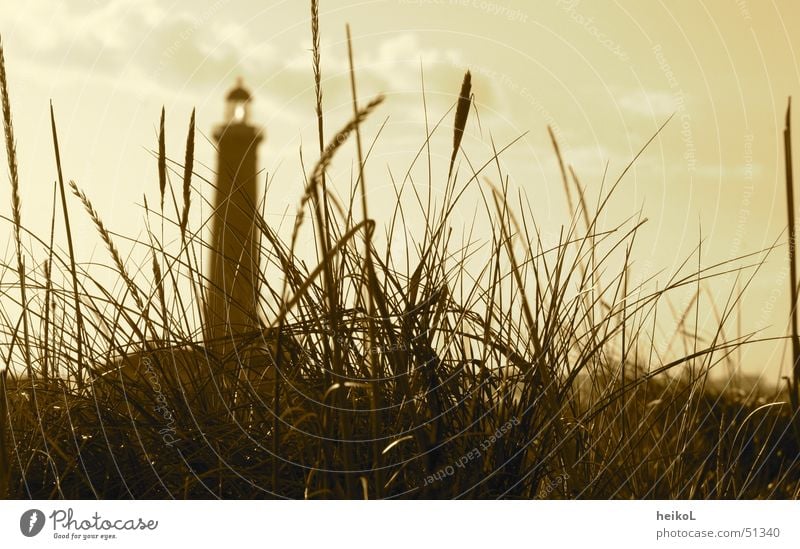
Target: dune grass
{"x":533,"y":373}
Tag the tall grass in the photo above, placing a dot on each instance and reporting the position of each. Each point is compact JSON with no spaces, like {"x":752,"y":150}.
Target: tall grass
{"x":535,"y":372}
{"x":794,"y":382}
{"x":13,"y":171}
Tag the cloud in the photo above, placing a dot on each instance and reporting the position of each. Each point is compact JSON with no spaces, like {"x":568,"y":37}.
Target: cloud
{"x":395,"y":59}
{"x":151,"y":50}
{"x":81,"y":32}
{"x":390,"y":66}
{"x":191,"y":50}
{"x":649,"y":103}
{"x":180,"y":47}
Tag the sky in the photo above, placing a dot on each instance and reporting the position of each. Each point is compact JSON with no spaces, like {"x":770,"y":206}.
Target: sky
{"x":603,"y":75}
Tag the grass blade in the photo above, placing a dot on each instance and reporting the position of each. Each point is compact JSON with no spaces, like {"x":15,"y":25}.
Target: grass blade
{"x":162,"y":160}
{"x":79,"y":328}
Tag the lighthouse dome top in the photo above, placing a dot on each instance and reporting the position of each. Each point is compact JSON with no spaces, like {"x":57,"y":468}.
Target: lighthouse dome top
{"x":239,"y":93}
{"x":237,"y":109}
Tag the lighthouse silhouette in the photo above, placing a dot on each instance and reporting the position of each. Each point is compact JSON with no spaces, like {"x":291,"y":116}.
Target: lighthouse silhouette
{"x":232,"y":279}
{"x":231,"y":326}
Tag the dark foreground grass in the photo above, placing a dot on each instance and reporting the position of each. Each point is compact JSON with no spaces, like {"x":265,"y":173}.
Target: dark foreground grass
{"x":535,"y":372}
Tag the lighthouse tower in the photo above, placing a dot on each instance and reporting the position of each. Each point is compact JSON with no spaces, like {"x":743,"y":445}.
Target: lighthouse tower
{"x":232,"y":279}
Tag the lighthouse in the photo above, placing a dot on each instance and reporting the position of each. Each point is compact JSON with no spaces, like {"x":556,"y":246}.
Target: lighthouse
{"x":245,"y":372}
{"x":232,"y":277}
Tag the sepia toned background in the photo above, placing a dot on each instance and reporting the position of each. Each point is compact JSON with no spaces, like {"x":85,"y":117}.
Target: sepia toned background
{"x":603,"y":75}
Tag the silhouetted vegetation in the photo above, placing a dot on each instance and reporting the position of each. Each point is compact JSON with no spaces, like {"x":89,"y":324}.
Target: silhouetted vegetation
{"x":534,"y":374}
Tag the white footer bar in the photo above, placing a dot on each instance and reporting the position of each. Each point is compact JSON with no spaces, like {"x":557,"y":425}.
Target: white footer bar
{"x":390,"y":524}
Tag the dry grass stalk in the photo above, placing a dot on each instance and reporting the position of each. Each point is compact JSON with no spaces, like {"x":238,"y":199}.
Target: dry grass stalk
{"x":16,"y":208}
{"x":5,"y":450}
{"x":162,"y":160}
{"x":460,"y":123}
{"x":188,"y":167}
{"x":105,"y":235}
{"x":794,"y":383}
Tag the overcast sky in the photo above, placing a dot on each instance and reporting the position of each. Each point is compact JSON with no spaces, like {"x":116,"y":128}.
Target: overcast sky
{"x":605,"y":75}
